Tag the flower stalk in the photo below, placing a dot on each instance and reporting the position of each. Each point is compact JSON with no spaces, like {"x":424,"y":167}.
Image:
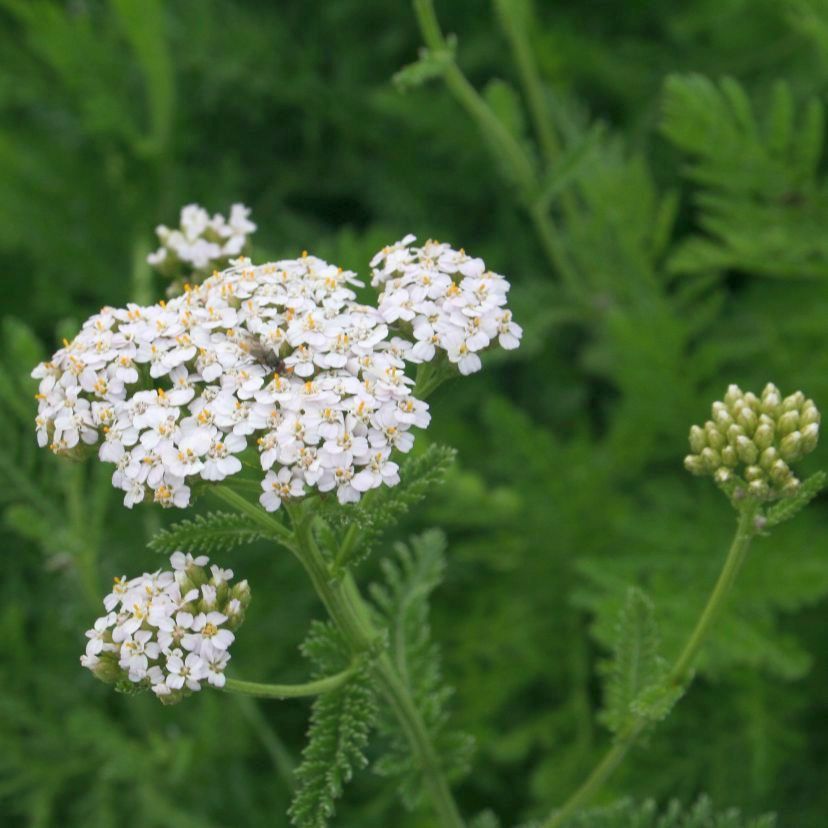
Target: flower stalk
{"x":287,"y":691}
{"x":679,"y":674}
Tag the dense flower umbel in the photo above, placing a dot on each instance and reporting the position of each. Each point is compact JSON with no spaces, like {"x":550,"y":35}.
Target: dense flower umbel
{"x":201,"y":244}
{"x":448,"y":300}
{"x":168,"y":631}
{"x":754,"y":440}
{"x":280,"y":358}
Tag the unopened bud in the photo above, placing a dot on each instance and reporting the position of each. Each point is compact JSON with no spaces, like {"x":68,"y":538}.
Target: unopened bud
{"x":722,"y":476}
{"x":771,"y":400}
{"x":809,"y":414}
{"x":780,"y":472}
{"x":711,"y":459}
{"x":734,"y":432}
{"x":791,"y":446}
{"x":698,"y":440}
{"x":713,"y":437}
{"x":747,"y":451}
{"x":747,"y":419}
{"x":754,"y":473}
{"x":788,"y":422}
{"x":733,"y":394}
{"x":758,"y":488}
{"x":768,"y":458}
{"x":793,"y":402}
{"x":694,"y":464}
{"x":810,"y":436}
{"x":729,"y":456}
{"x":763,"y":437}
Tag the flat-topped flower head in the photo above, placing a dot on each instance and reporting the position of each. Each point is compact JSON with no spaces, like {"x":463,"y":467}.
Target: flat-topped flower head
{"x":168,"y":631}
{"x":443,"y":300}
{"x":201,"y":244}
{"x":276,"y":366}
{"x":751,"y":442}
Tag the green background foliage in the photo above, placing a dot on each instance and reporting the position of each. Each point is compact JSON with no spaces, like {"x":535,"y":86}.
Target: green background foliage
{"x":685,"y":181}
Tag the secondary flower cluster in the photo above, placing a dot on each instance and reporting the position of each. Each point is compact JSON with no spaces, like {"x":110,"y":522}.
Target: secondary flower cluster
{"x":168,"y":631}
{"x":451,"y":302}
{"x":755,"y":439}
{"x":200,"y":244}
{"x":279,"y":358}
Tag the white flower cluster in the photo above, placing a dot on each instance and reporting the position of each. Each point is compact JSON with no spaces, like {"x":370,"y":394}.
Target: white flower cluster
{"x":449,"y":300}
{"x":202,"y":243}
{"x":168,"y":631}
{"x":278,"y":360}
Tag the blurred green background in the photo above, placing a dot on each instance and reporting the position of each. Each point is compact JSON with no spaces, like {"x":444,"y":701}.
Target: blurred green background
{"x":689,"y":216}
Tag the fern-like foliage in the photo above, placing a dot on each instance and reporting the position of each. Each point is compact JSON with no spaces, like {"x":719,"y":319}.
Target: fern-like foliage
{"x":635,"y":686}
{"x":403,"y":603}
{"x":791,"y":506}
{"x":341,"y":722}
{"x":629,"y":814}
{"x":419,"y":474}
{"x":761,"y":202}
{"x":206,"y":533}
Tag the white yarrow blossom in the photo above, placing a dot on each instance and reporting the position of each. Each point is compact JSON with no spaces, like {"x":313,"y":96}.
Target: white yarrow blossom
{"x":168,"y":631}
{"x":449,"y":300}
{"x":201,"y":244}
{"x":277,"y":363}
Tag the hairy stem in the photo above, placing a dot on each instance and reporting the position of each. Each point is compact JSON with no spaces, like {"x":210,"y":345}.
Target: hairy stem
{"x":678,"y":675}
{"x":352,"y":617}
{"x":287,"y":691}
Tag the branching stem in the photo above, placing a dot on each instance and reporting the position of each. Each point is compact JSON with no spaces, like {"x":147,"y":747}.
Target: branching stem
{"x":288,"y":691}
{"x":678,"y":675}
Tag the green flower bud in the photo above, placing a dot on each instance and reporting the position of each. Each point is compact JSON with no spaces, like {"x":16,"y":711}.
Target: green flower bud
{"x":713,"y":437}
{"x":810,"y":436}
{"x":791,"y":446}
{"x":809,"y":414}
{"x":763,"y":436}
{"x":755,"y":439}
{"x":747,"y":419}
{"x":794,"y":402}
{"x":780,"y":472}
{"x":788,"y":422}
{"x":754,"y":473}
{"x":768,"y":458}
{"x":698,"y":441}
{"x":734,"y":432}
{"x":747,"y":451}
{"x":733,"y":394}
{"x":711,"y":459}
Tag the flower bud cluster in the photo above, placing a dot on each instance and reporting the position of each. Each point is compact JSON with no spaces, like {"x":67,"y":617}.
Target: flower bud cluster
{"x":168,"y":631}
{"x":200,"y":244}
{"x":754,"y":441}
{"x":447,"y":300}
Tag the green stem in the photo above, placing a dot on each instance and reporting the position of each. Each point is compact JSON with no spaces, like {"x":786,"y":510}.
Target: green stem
{"x":515,"y":28}
{"x":258,"y":515}
{"x":678,"y":675}
{"x":352,"y":617}
{"x":287,"y":691}
{"x":511,"y":153}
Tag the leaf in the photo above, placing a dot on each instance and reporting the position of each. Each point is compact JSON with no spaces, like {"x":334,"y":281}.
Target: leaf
{"x":569,"y":165}
{"x":403,"y":603}
{"x":207,"y":533}
{"x":419,"y":475}
{"x":505,"y":103}
{"x":430,"y":65}
{"x":636,"y":666}
{"x":790,"y":506}
{"x":341,"y":722}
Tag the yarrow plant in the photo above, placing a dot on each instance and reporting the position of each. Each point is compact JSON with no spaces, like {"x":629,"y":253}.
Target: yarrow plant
{"x":274,"y":389}
{"x":169,"y":631}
